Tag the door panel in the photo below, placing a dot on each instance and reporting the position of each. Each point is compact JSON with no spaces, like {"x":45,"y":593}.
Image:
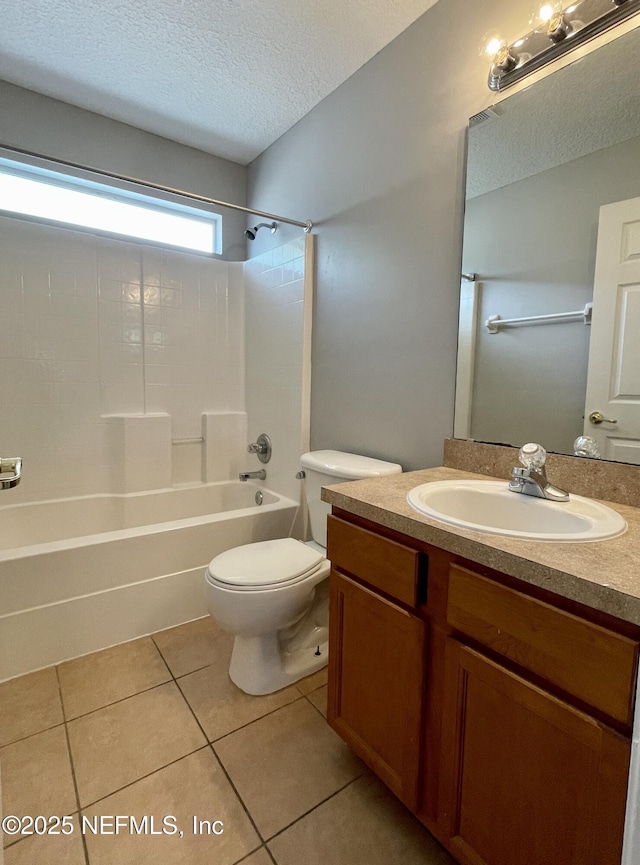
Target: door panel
{"x":526,"y":778}
{"x":376,"y":683}
{"x":613,"y":379}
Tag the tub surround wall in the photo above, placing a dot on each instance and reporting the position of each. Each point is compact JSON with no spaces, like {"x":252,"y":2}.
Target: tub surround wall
{"x":141,"y":447}
{"x":112,"y":351}
{"x":225,"y":445}
{"x":597,"y":479}
{"x":279,"y":302}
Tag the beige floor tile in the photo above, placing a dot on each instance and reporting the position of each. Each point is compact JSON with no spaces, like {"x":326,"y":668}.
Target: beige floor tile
{"x":194,"y":786}
{"x":285,"y":764}
{"x":194,"y":645}
{"x":96,"y":680}
{"x":48,"y":850}
{"x":28,"y":705}
{"x":36,"y":777}
{"x":120,"y":743}
{"x":364,"y":824}
{"x":222,"y":708}
{"x":319,"y":699}
{"x":312,"y":682}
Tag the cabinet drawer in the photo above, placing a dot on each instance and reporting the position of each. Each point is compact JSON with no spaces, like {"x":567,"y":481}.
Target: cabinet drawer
{"x":590,"y":662}
{"x":384,"y":564}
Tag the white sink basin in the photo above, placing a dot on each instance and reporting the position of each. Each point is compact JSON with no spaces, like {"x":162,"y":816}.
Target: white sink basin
{"x":489,"y":506}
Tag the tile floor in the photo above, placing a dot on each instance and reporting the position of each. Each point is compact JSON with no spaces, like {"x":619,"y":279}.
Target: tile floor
{"x":154,"y":728}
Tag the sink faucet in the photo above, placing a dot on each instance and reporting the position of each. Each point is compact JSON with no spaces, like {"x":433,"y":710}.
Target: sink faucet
{"x":532,"y":479}
{"x":259,"y":475}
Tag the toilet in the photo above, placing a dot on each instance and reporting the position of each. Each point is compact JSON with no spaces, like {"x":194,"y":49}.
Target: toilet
{"x":274,"y":595}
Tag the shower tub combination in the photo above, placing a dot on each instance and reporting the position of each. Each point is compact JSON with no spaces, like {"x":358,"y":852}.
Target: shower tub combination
{"x":82,"y":574}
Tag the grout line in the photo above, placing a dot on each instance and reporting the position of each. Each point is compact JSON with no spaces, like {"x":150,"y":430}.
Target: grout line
{"x":17,"y":839}
{"x":226,"y":774}
{"x":184,"y":675}
{"x":142,"y":777}
{"x":322,"y":715}
{"x":73,"y":770}
{"x":60,"y":694}
{"x":249,"y":855}
{"x":317,"y":805}
{"x":13,"y":842}
{"x":270,"y":854}
{"x":255,"y":720}
{"x":235,"y":790}
{"x":164,"y":660}
{"x":30,"y":736}
{"x":166,"y":663}
{"x":121,"y":700}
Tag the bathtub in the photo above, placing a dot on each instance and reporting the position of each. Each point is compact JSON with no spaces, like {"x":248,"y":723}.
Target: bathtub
{"x":82,"y":574}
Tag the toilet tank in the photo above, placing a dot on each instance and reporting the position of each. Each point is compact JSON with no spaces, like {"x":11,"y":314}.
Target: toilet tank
{"x":323,"y":468}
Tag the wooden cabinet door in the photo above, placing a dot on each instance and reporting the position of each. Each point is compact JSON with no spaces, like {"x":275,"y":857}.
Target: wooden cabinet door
{"x":526,"y":779}
{"x":376,"y":687}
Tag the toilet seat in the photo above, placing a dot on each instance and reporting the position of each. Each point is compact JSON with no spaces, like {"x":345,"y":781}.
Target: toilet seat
{"x":265,"y":565}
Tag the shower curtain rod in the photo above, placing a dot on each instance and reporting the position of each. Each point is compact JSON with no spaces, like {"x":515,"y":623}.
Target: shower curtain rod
{"x":307,"y":225}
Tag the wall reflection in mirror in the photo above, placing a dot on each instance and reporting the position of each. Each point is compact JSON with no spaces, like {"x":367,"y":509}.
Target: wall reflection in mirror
{"x":552,"y":225}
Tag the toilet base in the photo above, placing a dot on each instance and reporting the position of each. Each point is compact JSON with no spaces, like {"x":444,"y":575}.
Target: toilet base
{"x":269,"y":662}
{"x":259,"y":666}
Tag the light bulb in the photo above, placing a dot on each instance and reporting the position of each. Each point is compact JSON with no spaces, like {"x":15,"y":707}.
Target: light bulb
{"x":492,"y":43}
{"x":495,"y":48}
{"x":543,"y":12}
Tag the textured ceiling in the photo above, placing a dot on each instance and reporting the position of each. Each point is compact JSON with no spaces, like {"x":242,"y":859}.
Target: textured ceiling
{"x":225,"y":76}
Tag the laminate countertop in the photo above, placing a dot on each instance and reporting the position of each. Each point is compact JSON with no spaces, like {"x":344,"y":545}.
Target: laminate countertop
{"x":604,"y":575}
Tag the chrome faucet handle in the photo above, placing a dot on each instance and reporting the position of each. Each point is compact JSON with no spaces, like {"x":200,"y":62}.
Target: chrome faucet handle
{"x":532,"y":479}
{"x":532,"y":456}
{"x":261,"y":447}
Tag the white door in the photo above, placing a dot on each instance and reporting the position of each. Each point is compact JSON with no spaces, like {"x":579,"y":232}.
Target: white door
{"x":613,"y":379}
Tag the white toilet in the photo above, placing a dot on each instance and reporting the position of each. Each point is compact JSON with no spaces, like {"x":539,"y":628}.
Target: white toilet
{"x":273,"y":595}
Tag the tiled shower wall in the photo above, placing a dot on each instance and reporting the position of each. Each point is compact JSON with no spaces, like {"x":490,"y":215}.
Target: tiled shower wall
{"x":278,"y":320}
{"x":100,"y":337}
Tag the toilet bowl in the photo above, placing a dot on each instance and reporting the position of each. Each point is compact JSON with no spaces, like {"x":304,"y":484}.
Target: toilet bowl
{"x":274,"y":595}
{"x":264,"y":594}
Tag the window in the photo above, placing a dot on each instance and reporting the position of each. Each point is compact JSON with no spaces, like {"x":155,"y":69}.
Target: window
{"x":85,"y":202}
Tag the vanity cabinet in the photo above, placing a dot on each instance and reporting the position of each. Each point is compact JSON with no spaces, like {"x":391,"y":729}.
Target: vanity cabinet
{"x":377,"y":648}
{"x":498,"y":713}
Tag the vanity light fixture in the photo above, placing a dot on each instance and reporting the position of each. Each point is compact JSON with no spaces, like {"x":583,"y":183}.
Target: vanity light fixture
{"x":555,"y":29}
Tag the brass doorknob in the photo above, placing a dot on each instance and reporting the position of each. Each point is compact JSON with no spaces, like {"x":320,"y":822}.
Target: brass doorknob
{"x":597,"y":417}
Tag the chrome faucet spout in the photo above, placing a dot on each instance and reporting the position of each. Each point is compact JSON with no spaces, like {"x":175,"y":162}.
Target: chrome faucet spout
{"x":259,"y":475}
{"x":533,"y":482}
{"x":532,"y":479}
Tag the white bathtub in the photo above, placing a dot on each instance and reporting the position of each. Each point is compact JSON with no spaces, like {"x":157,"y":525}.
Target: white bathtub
{"x":78,"y":575}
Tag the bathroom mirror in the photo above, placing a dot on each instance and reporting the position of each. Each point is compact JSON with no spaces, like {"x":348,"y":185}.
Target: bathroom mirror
{"x":540,"y":166}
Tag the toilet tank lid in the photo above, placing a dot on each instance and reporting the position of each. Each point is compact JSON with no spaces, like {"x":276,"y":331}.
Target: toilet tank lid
{"x":345,"y":465}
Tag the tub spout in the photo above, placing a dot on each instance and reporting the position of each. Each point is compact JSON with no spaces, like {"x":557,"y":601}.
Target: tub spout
{"x":259,"y":475}
{"x":10,"y":472}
